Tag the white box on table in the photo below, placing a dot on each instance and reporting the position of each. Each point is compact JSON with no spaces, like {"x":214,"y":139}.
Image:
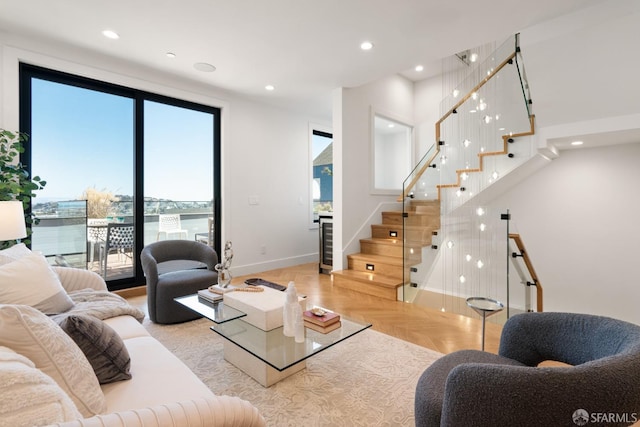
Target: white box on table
{"x":263,"y":309}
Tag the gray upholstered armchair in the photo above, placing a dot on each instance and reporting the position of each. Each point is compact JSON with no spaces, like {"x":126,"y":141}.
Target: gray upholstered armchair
{"x":475,"y":388}
{"x":174,"y":268}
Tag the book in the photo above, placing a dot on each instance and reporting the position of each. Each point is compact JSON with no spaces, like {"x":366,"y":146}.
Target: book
{"x":325,"y":320}
{"x":209,"y":296}
{"x":323,"y":329}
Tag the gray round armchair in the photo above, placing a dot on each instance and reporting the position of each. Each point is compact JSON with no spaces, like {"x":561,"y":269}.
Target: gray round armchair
{"x":601,"y":387}
{"x":174,"y":268}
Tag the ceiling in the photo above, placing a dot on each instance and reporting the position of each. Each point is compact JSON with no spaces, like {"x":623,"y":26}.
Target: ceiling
{"x":305,"y":48}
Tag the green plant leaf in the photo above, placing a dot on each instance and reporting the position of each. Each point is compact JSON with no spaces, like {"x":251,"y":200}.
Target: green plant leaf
{"x":15,"y":183}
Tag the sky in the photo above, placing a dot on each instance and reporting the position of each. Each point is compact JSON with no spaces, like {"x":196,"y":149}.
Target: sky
{"x":318,"y":144}
{"x":83,"y":138}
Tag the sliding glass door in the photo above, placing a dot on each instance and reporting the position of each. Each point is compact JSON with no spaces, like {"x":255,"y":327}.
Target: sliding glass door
{"x":178,"y":184}
{"x":83,"y":145}
{"x":116,"y":161}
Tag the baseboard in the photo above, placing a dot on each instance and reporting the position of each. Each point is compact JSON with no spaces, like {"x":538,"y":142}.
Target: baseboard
{"x":244,"y":270}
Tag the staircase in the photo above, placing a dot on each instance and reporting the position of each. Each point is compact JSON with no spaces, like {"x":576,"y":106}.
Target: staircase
{"x":378,"y":268}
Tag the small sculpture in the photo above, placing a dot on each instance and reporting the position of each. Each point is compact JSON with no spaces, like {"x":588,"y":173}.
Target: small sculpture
{"x":224,"y":275}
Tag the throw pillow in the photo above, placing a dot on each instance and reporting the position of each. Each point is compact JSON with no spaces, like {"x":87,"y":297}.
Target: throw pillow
{"x":13,"y":253}
{"x":29,"y":397}
{"x":30,"y":280}
{"x":102,"y":346}
{"x":29,"y":332}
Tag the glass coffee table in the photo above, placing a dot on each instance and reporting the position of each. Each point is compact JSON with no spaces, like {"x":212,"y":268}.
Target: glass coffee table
{"x":266,"y":356}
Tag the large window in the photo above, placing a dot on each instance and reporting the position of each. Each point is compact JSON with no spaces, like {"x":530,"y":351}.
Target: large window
{"x":116,"y":160}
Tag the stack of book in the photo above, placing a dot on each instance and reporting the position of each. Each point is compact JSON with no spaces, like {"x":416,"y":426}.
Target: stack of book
{"x":209,"y":296}
{"x":326,"y":323}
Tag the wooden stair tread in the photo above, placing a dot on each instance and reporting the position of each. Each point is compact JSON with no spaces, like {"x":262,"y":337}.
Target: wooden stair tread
{"x":407,"y":227}
{"x":434,"y":202}
{"x":410,"y":213}
{"x":382,"y":259}
{"x":378,"y":280}
{"x":390,"y":242}
{"x":393,"y":242}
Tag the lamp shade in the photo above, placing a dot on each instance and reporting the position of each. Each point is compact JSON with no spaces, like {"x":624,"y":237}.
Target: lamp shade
{"x":12,"y":225}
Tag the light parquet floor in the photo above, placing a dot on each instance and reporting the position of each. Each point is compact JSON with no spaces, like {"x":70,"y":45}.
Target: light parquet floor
{"x":430,"y":328}
{"x":443,"y":332}
{"x":433,"y":329}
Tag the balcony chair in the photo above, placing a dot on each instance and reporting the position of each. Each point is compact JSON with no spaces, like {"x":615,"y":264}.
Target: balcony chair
{"x":119,"y":238}
{"x":170,"y":225}
{"x":174,"y":268}
{"x":471,"y":387}
{"x":96,"y":234}
{"x":207,"y":238}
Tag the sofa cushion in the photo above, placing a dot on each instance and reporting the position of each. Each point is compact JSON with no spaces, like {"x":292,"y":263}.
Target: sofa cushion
{"x":13,"y":253}
{"x":159,"y":377}
{"x":29,"y":397}
{"x":126,"y":327}
{"x":30,"y":280}
{"x":102,"y":346}
{"x":32,"y":334}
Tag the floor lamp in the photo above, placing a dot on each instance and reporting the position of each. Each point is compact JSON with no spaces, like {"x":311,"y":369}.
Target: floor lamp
{"x":12,"y":225}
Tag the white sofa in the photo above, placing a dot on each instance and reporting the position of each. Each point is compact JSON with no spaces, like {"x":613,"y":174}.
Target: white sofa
{"x":162,"y":390}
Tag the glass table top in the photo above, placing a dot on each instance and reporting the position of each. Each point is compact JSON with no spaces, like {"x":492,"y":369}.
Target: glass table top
{"x":482,"y":304}
{"x":216,"y":312}
{"x":272,"y":347}
{"x":281,"y":352}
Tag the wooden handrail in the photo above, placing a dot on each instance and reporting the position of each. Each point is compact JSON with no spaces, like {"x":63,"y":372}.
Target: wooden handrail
{"x":464,"y":99}
{"x":527,"y":261}
{"x":481,"y":156}
{"x":417,"y":176}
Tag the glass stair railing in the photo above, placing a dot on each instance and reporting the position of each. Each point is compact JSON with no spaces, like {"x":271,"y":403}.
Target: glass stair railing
{"x":483,"y":134}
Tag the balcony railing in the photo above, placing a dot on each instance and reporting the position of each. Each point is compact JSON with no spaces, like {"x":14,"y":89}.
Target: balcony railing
{"x":61,"y":234}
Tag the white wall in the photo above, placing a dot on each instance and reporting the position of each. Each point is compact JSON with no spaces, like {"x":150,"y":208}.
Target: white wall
{"x":392,"y":96}
{"x":578,"y":218}
{"x":584,"y":66}
{"x":268,"y":154}
{"x":392,"y":161}
{"x":427,"y":97}
{"x":265,"y":151}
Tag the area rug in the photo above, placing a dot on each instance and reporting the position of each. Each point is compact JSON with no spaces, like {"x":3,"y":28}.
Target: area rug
{"x":367,"y":380}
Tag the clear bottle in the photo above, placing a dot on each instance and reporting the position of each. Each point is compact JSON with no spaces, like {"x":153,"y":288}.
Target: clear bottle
{"x":288,"y":319}
{"x":298,"y":323}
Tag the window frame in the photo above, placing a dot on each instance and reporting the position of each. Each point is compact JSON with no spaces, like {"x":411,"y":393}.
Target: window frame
{"x":27,"y":72}
{"x":327,"y":132}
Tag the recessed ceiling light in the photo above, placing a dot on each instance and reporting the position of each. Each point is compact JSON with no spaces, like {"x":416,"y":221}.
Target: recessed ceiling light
{"x":473,"y":57}
{"x":110,"y":34}
{"x":419,"y":68}
{"x":171,"y":55}
{"x":577,"y":143}
{"x":367,"y":45}
{"x":270,"y":87}
{"x":204,"y":67}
